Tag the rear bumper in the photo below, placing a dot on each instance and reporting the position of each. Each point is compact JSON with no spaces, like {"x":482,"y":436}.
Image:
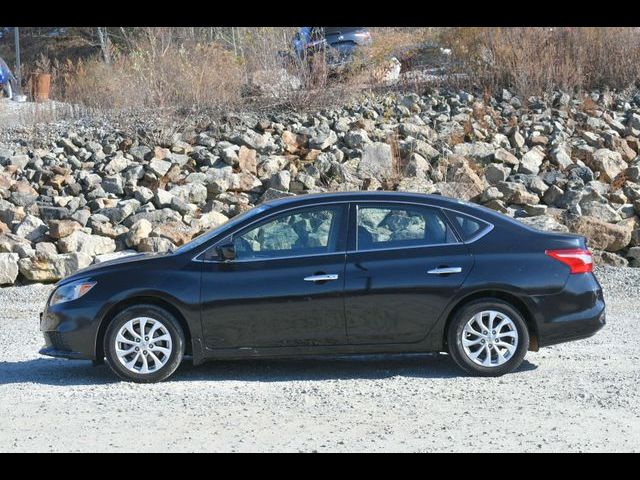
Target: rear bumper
{"x":577,"y":312}
{"x":567,"y":329}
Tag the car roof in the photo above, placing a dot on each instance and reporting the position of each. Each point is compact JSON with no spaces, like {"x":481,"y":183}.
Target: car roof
{"x":355,"y":196}
{"x":462,"y":206}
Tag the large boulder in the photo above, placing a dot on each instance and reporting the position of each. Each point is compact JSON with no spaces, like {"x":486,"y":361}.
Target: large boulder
{"x":517,"y":194}
{"x":609,"y":163}
{"x":247,"y":160}
{"x":376,"y":161}
{"x":190,"y":193}
{"x":561,"y":158}
{"x":86,"y":243}
{"x":481,"y":151}
{"x":272,"y":194}
{"x":8,"y":268}
{"x":11,"y":243}
{"x":280,"y":180}
{"x":156,"y":217}
{"x":159,"y":167}
{"x":275,"y":82}
{"x":504,"y":156}
{"x":601,"y":257}
{"x":323,"y":140}
{"x":601,"y":235}
{"x":156,"y":245}
{"x":357,"y":138}
{"x":138,"y":231}
{"x":107,"y":257}
{"x":176,"y":232}
{"x":495,"y":173}
{"x":10,"y":213}
{"x":263,"y":143}
{"x":52,"y":268}
{"x":458,"y":179}
{"x":545,"y":223}
{"x":599,"y":208}
{"x":209,"y":220}
{"x":293,"y":142}
{"x":532,"y":160}
{"x":31,"y":228}
{"x":62,"y":228}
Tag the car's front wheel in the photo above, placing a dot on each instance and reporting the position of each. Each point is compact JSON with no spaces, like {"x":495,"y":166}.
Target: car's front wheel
{"x":144,"y":344}
{"x":488,"y":337}
{"x":7,"y":90}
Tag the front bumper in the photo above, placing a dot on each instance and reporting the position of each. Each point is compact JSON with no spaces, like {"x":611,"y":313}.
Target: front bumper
{"x":70,"y":329}
{"x":51,"y":351}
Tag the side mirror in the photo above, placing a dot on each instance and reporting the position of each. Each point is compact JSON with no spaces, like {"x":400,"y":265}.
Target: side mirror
{"x":227,"y":252}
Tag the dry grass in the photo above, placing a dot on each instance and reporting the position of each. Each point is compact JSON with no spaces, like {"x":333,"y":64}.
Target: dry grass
{"x":537,"y":60}
{"x":175,"y":77}
{"x":159,"y":70}
{"x":188,"y":69}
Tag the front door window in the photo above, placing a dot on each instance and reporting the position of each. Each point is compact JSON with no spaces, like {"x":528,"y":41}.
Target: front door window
{"x":303,"y":232}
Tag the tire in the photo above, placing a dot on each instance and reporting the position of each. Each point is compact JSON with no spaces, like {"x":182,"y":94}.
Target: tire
{"x":513,"y":332}
{"x":7,"y":90}
{"x":160,"y":358}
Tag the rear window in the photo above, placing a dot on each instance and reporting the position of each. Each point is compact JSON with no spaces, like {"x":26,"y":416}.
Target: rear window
{"x":467,"y":226}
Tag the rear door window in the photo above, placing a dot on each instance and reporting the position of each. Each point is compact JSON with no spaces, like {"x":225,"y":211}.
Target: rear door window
{"x":397,"y":226}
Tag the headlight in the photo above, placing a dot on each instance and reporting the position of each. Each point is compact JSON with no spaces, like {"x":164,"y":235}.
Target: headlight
{"x":69,"y":292}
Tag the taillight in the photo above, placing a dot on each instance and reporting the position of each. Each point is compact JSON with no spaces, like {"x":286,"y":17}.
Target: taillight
{"x":578,"y":260}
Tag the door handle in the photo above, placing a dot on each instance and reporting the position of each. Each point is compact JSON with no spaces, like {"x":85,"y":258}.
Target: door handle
{"x":445,"y":270}
{"x":321,"y":278}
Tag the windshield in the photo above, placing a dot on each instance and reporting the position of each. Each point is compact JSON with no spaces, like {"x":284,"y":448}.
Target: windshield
{"x":203,"y":238}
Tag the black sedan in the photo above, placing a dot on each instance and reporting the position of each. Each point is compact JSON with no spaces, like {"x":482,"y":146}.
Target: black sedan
{"x":344,"y":273}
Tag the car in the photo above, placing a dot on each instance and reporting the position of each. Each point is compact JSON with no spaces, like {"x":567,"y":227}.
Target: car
{"x":334,"y":273}
{"x":338,"y":43}
{"x":7,"y":80}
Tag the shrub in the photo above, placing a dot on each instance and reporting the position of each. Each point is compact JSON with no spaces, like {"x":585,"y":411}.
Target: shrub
{"x":175,"y":77}
{"x":533,"y":60}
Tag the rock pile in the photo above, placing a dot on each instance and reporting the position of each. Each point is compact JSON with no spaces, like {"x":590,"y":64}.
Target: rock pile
{"x":560,"y":163}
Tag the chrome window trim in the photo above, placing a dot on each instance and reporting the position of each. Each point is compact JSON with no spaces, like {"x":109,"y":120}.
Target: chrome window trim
{"x":410,"y":247}
{"x":481,"y":233}
{"x":246,"y":260}
{"x":477,"y":237}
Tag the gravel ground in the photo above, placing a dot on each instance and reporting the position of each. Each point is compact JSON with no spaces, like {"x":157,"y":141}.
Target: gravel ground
{"x":580,"y":396}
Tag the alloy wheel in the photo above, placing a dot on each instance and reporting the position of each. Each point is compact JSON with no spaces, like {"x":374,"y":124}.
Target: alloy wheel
{"x":143,"y":345}
{"x":490,"y":338}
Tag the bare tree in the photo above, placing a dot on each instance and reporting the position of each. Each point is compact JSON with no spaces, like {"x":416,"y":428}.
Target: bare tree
{"x":104,"y":42}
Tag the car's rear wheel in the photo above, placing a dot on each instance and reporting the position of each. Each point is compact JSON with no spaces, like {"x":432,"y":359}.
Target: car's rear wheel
{"x":488,"y":337}
{"x":144,"y":344}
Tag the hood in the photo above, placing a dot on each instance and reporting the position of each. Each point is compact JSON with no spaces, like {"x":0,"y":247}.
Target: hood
{"x":97,"y":267}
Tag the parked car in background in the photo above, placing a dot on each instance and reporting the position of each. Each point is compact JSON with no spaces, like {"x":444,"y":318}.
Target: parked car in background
{"x":340,"y":273}
{"x":7,"y":80}
{"x":338,"y":43}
